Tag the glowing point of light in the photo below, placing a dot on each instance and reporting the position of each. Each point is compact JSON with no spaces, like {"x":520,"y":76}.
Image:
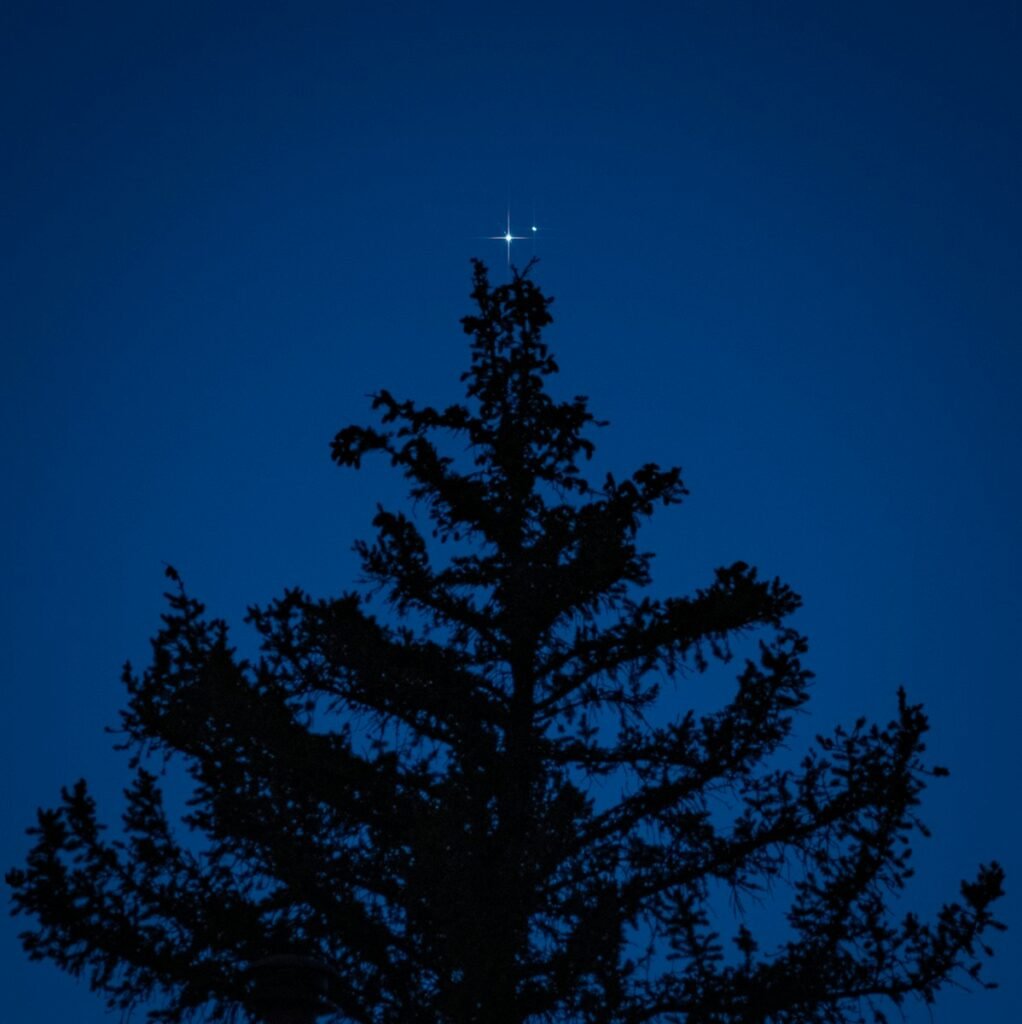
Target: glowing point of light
{"x":507,"y":238}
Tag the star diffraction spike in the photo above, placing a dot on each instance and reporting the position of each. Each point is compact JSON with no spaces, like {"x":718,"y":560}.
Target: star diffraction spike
{"x":508,"y":238}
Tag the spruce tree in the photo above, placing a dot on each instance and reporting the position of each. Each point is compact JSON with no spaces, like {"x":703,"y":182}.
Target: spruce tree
{"x":485,"y":800}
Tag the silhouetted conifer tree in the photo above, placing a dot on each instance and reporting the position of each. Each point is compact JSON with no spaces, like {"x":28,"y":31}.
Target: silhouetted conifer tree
{"x":491,"y":804}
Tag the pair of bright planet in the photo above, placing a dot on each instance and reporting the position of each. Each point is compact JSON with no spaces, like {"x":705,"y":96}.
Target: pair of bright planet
{"x":508,"y":238}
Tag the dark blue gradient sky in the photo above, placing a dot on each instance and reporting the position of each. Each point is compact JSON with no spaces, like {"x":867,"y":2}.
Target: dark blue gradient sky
{"x":784,"y":240}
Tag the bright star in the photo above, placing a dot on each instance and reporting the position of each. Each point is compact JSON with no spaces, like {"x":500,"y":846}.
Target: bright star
{"x":507,"y":238}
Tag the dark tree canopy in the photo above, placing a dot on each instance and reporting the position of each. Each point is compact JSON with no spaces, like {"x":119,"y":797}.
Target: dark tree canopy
{"x":489,"y":803}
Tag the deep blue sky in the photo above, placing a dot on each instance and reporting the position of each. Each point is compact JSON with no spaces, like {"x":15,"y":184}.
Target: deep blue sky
{"x":784,"y":240}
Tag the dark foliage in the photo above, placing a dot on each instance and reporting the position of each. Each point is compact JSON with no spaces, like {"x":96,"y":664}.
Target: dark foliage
{"x":491,"y":805}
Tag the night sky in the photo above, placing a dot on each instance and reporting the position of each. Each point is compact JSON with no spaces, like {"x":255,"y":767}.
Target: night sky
{"x":784,"y":241}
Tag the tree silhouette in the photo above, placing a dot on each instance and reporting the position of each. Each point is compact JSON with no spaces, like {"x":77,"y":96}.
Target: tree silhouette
{"x":489,"y":803}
